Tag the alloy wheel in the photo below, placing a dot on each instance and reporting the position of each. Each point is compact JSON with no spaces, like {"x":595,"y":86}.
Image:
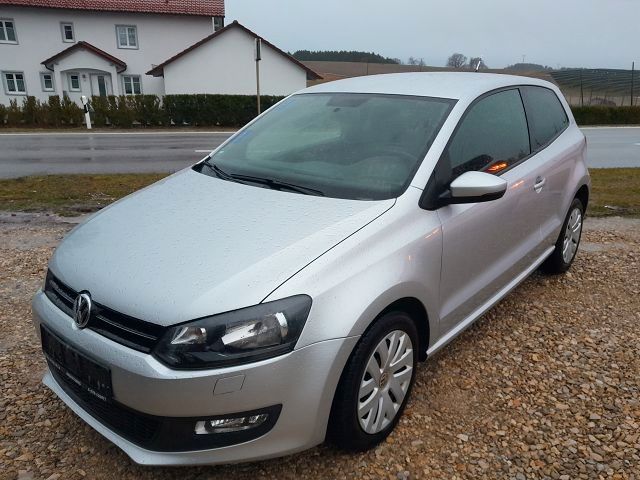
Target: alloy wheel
{"x":572,"y":235}
{"x":385,"y":381}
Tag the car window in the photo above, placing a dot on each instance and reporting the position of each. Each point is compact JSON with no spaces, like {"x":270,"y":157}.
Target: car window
{"x":357,"y":146}
{"x":491,"y":137}
{"x":547,"y":118}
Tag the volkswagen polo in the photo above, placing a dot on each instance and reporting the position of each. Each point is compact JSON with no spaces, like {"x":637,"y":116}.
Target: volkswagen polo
{"x":283,"y":290}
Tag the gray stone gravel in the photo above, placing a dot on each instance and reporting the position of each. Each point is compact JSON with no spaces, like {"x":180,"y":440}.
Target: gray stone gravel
{"x":545,"y":385}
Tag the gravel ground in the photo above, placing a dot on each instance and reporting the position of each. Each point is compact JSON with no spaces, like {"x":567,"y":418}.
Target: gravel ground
{"x":545,"y":385}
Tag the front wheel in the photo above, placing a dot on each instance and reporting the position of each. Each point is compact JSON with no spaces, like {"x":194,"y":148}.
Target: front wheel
{"x":568,"y":241}
{"x":375,"y":384}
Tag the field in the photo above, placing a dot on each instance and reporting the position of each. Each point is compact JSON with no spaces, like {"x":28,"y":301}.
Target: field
{"x":615,"y":191}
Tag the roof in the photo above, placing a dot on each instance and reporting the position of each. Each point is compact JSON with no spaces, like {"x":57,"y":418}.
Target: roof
{"x":158,"y":70}
{"x":210,"y":8}
{"x":82,"y":45}
{"x":454,"y":85}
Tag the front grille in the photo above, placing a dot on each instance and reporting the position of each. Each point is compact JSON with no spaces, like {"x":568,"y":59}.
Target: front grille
{"x":135,"y":427}
{"x":116,"y":326}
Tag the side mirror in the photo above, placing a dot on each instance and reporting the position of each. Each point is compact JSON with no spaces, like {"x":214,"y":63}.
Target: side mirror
{"x":473,"y":187}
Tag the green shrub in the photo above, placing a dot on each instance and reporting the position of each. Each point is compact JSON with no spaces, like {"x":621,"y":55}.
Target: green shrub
{"x":3,"y":115}
{"x":100,"y":111}
{"x":31,"y":111}
{"x":54,"y":111}
{"x":606,"y":115}
{"x":214,"y":110}
{"x":71,"y":113}
{"x":147,"y":110}
{"x":14,"y":114}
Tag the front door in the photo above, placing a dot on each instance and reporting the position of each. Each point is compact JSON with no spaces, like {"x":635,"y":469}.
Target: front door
{"x":101,"y":84}
{"x":486,"y":245}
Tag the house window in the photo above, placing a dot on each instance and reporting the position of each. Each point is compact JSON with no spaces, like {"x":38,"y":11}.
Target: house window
{"x":14,"y":83}
{"x":131,"y":84}
{"x":8,"y":31}
{"x":127,"y":36}
{"x":67,"y":32}
{"x":47,"y":82}
{"x":74,"y":82}
{"x":218,"y":23}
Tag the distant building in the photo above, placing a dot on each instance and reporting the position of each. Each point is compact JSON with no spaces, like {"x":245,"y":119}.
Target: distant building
{"x":95,"y":47}
{"x":224,"y":63}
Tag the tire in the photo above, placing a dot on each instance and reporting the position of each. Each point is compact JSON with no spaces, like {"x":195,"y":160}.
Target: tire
{"x":353,"y":431}
{"x":569,"y":238}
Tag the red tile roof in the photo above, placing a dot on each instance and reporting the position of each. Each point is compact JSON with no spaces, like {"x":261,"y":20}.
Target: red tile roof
{"x":210,"y":8}
{"x":158,"y":70}
{"x":82,"y":45}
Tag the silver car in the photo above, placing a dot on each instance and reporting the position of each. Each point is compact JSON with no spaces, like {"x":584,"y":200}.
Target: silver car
{"x":282,"y":291}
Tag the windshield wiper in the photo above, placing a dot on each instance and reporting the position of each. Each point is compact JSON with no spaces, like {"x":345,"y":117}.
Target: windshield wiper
{"x":279,"y":185}
{"x":274,"y":184}
{"x":221,"y":173}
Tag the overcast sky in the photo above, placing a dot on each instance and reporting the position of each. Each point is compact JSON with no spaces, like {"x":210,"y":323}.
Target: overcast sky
{"x":568,"y":33}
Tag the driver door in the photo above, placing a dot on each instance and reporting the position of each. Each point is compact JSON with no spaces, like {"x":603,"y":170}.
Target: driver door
{"x":486,"y":245}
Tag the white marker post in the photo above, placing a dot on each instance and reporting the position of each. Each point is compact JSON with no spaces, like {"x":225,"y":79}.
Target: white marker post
{"x":87,"y":115}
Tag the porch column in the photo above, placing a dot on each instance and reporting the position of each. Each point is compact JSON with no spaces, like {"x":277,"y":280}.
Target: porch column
{"x":115,"y":81}
{"x":58,"y":81}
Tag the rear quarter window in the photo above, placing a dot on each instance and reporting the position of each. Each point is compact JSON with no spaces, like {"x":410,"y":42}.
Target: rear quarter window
{"x":545,"y":114}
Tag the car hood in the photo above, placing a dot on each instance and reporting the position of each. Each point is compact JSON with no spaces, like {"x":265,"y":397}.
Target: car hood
{"x":192,"y":245}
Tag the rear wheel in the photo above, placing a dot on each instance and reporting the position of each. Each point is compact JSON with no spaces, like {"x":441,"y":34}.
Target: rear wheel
{"x":375,"y":384}
{"x":568,"y":241}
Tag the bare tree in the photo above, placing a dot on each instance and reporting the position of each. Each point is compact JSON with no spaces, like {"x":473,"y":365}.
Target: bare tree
{"x":477,"y":63}
{"x":416,"y":61}
{"x":457,"y":60}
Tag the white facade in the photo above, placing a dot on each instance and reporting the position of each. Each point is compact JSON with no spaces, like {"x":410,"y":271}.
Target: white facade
{"x":225,"y":65}
{"x":39,"y":35}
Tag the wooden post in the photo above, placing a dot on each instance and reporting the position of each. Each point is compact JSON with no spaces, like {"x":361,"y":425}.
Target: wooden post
{"x":258,"y":57}
{"x":633,"y":68}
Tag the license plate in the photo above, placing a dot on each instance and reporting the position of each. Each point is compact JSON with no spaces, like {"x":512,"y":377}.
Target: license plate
{"x":76,"y":367}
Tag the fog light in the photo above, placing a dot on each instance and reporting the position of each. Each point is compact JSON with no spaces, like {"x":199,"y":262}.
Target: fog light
{"x":228,"y":425}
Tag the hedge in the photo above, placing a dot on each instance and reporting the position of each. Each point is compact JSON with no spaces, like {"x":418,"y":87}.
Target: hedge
{"x":604,"y":115}
{"x":34,"y":113}
{"x":138,"y":110}
{"x":202,"y":110}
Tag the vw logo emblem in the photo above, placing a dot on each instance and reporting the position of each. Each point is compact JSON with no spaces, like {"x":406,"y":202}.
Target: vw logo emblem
{"x":82,"y":310}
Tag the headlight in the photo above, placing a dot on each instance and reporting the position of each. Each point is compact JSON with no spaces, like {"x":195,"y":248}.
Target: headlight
{"x":232,"y":338}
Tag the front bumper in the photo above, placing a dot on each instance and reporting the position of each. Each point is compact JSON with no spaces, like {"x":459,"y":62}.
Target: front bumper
{"x":303,"y":382}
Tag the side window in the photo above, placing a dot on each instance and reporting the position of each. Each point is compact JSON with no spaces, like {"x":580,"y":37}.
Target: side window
{"x":492,"y":136}
{"x":545,"y":113}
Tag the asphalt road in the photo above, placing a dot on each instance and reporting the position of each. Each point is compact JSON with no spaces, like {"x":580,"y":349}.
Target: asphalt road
{"x":613,"y":146}
{"x":60,"y":153}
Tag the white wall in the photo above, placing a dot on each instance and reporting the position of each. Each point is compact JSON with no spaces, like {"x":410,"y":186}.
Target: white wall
{"x":39,"y":37}
{"x":225,"y":65}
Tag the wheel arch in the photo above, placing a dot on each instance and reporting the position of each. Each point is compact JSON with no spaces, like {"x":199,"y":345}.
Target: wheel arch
{"x":583,"y":195}
{"x":418,"y":313}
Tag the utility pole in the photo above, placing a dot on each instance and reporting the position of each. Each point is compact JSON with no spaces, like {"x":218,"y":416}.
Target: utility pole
{"x":258,"y":57}
{"x":581,"y":90}
{"x":633,"y":68}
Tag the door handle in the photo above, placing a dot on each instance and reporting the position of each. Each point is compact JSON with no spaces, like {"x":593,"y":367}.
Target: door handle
{"x":540,"y":181}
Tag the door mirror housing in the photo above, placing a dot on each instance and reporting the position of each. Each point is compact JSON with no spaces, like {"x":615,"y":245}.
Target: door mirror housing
{"x":473,"y":187}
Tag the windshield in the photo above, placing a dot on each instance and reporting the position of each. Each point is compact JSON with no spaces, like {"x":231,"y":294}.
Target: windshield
{"x":357,"y":146}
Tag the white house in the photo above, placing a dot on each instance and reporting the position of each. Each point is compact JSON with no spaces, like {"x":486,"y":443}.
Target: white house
{"x":95,"y":47}
{"x":224,"y":63}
